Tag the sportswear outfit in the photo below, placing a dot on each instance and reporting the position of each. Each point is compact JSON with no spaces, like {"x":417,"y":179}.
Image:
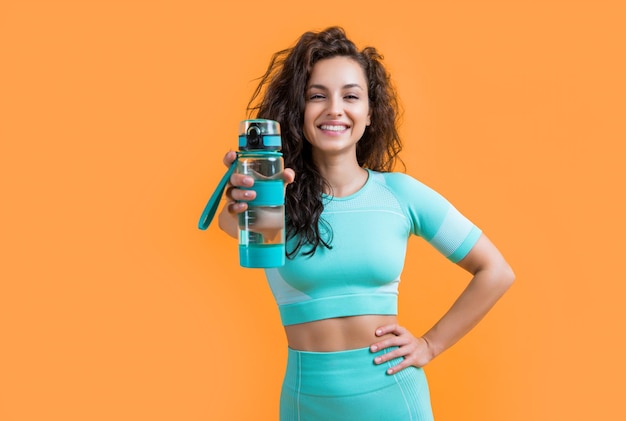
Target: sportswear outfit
{"x":359,"y":275}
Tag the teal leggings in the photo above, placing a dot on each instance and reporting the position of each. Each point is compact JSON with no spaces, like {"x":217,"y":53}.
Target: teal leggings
{"x":347,"y":385}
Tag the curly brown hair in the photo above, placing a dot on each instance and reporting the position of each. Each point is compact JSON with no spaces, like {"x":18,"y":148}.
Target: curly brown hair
{"x":280,"y":96}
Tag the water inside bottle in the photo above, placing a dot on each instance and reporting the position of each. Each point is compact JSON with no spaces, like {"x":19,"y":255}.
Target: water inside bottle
{"x":263,"y":224}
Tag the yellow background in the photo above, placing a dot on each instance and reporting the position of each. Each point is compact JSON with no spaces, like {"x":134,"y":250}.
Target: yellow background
{"x":114,"y":119}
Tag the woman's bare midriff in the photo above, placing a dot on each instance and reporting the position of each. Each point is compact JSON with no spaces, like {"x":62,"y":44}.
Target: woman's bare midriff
{"x":338,"y":334}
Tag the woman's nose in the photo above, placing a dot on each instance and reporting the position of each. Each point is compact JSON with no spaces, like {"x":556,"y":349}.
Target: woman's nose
{"x":335,"y":107}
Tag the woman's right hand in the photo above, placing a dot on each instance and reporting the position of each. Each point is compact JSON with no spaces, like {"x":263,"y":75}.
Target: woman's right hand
{"x":237,"y":198}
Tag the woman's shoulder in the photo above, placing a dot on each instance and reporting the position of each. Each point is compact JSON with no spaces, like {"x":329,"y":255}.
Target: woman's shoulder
{"x":407,"y":188}
{"x":397,"y":180}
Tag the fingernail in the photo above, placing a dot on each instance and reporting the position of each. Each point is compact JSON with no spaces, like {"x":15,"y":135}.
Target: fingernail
{"x":379,"y":331}
{"x":390,"y":371}
{"x":374,"y":348}
{"x":378,"y":359}
{"x":248,"y":181}
{"x":247,"y":194}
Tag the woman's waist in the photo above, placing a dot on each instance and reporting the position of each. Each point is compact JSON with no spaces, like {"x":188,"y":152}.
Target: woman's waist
{"x":337,"y":334}
{"x":341,"y":373}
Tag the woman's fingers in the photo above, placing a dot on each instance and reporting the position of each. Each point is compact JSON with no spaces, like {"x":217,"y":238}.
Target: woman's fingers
{"x":237,"y":207}
{"x":392,"y":328}
{"x":413,"y":351}
{"x":239,"y":187}
{"x":289,"y":175}
{"x":229,"y":158}
{"x":238,"y":194}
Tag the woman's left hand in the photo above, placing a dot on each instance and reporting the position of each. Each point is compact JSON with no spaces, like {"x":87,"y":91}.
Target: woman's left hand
{"x":414,"y":351}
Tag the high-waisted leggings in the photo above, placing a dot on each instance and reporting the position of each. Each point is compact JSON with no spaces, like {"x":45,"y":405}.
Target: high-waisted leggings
{"x":347,"y":385}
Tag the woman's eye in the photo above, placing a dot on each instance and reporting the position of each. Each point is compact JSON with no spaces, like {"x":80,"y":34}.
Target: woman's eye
{"x":352,"y":97}
{"x":316,"y":96}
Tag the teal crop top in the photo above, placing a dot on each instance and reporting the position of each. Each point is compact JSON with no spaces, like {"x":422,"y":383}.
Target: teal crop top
{"x":361,"y":272}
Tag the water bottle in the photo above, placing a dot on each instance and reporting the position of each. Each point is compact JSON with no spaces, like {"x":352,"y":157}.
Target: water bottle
{"x":262,"y":225}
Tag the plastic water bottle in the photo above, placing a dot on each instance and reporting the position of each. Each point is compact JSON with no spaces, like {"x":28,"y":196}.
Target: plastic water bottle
{"x":262,"y":225}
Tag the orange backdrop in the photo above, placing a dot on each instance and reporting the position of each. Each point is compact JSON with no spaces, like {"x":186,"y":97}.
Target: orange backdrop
{"x":115,"y":116}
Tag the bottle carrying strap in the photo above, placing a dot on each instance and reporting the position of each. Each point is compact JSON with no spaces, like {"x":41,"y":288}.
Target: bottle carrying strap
{"x":211,"y":207}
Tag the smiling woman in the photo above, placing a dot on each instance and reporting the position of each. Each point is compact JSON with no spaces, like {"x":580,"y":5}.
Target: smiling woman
{"x":348,"y":220}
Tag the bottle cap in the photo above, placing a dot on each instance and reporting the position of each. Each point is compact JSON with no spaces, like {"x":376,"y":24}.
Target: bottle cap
{"x":259,"y":134}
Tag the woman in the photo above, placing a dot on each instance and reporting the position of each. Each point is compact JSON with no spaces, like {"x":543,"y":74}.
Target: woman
{"x":348,"y":221}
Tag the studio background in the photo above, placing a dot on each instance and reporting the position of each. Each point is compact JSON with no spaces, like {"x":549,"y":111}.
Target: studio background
{"x":115,"y":115}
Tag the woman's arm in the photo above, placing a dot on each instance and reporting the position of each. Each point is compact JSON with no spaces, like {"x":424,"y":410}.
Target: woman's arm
{"x":492,"y":276}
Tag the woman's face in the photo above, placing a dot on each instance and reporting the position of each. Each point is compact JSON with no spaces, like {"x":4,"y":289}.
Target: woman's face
{"x":337,"y":106}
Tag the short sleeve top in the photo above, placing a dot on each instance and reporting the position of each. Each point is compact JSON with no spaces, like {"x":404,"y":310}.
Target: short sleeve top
{"x":369,"y":231}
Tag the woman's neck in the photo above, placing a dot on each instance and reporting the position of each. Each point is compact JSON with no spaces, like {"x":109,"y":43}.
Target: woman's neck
{"x":345,"y":177}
